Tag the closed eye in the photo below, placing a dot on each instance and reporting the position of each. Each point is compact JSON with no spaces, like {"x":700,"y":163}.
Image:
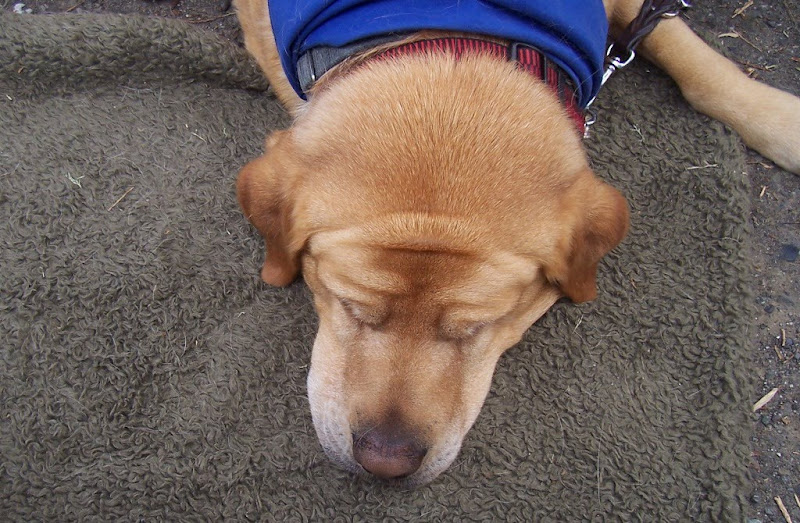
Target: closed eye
{"x":460,"y":331}
{"x":363,"y":314}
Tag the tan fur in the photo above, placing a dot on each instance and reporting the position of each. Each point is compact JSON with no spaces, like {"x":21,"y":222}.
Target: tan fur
{"x":437,"y":209}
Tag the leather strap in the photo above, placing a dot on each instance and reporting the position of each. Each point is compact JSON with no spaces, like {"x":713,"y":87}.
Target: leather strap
{"x":649,"y":16}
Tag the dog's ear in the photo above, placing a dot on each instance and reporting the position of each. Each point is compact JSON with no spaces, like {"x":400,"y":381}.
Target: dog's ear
{"x":600,"y":215}
{"x":264,"y":189}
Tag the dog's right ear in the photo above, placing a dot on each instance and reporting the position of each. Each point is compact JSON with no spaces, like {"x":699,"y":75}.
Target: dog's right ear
{"x":264,"y":189}
{"x":602,"y":219}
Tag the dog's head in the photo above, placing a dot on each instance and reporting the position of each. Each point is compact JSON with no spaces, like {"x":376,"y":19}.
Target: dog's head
{"x":434,"y":224}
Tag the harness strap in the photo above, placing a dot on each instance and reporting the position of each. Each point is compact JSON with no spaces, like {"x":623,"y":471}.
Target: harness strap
{"x":315,"y":62}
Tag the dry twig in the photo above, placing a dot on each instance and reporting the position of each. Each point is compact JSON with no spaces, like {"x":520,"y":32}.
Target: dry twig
{"x":766,"y":68}
{"x":742,"y":9}
{"x":74,"y":7}
{"x":789,"y":11}
{"x":207,"y":20}
{"x":121,"y":197}
{"x":785,"y":512}
{"x":734,"y":34}
{"x":765,"y":399}
{"x":706,"y":166}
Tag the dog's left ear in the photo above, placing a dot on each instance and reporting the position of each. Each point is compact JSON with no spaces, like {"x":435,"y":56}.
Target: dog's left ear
{"x":265,"y":189}
{"x":600,"y":215}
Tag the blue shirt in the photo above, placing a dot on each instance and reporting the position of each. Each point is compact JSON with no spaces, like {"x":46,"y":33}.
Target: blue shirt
{"x":572,"y":33}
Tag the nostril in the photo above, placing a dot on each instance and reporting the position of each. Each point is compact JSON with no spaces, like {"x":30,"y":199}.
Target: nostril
{"x":387,"y":454}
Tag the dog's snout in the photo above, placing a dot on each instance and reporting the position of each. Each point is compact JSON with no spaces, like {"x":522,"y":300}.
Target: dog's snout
{"x":387,"y":452}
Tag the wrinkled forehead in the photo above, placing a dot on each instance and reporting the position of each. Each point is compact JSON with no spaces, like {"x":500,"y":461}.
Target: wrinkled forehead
{"x":361,"y":270}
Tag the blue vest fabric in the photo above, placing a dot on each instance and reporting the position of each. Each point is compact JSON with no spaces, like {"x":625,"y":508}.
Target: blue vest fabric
{"x":572,"y":33}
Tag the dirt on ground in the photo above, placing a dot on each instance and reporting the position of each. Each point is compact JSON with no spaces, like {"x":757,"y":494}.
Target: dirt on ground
{"x":763,"y":37}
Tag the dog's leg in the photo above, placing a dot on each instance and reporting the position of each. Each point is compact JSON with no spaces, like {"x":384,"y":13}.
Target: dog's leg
{"x":767,"y":119}
{"x":254,"y":18}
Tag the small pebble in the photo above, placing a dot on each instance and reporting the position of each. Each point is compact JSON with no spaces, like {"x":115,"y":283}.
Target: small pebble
{"x":769,"y":308}
{"x":766,"y":420}
{"x":789,"y":342}
{"x":789,"y":252}
{"x":21,"y":9}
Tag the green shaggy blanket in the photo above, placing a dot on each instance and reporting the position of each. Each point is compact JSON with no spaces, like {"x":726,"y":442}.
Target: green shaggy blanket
{"x":147,"y":374}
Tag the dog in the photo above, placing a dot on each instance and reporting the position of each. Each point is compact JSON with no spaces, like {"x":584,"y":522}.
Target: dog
{"x":439,"y":202}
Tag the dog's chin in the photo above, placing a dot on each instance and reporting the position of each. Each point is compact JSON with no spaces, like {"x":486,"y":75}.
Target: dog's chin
{"x":334,"y":434}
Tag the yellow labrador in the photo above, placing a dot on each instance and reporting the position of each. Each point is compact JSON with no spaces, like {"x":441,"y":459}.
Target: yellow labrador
{"x":438,"y":206}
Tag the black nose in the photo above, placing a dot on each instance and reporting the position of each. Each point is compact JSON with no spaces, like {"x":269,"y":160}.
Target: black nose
{"x":387,"y":452}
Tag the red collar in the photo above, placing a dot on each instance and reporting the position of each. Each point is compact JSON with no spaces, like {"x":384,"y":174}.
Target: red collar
{"x":527,"y":58}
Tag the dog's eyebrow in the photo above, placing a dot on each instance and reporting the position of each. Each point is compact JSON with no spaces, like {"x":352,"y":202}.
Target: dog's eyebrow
{"x":492,"y":294}
{"x":366,"y":290}
{"x":339,"y":271}
{"x":468,"y":312}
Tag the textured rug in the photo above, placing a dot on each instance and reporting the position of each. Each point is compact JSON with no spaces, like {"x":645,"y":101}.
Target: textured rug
{"x":147,"y":374}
